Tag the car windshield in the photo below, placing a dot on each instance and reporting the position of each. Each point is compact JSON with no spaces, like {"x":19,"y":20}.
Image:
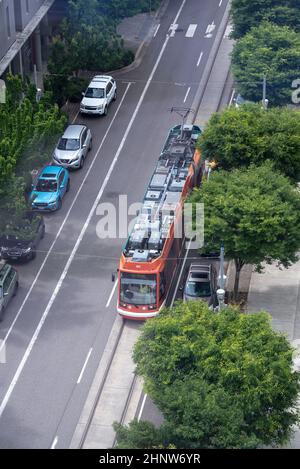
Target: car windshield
{"x":94,"y":93}
{"x":46,"y":185}
{"x":198,"y":289}
{"x":69,"y":144}
{"x":138,"y":289}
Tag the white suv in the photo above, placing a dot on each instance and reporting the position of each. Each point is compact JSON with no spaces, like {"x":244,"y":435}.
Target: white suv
{"x":98,"y":96}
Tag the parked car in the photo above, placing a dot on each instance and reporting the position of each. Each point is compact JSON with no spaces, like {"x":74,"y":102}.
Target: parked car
{"x":50,"y":188}
{"x":9,"y":283}
{"x":73,"y":147}
{"x":22,"y":241}
{"x":100,"y":93}
{"x":201,"y":284}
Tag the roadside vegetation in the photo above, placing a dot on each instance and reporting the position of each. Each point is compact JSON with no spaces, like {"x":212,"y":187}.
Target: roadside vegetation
{"x":254,"y":213}
{"x":268,"y":44}
{"x":220,"y":380}
{"x":28,"y":130}
{"x":88,"y":41}
{"x":246,"y":15}
{"x":238,"y":137}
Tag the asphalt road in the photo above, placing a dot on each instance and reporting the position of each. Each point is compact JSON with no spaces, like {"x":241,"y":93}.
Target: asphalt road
{"x":57,"y":327}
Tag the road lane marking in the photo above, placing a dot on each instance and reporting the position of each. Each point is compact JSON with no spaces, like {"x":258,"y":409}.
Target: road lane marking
{"x":232,"y":96}
{"x":2,"y":344}
{"x":220,"y":3}
{"x":84,"y":366}
{"x":173,"y":29}
{"x":55,"y":441}
{"x":191,"y":30}
{"x":200,"y":58}
{"x":209,"y":30}
{"x":112,"y":294}
{"x":142,"y":407}
{"x":187,"y":93}
{"x":84,"y":228}
{"x":156,"y":31}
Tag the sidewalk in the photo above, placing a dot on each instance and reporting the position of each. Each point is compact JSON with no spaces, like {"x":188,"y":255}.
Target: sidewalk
{"x":278,"y":292}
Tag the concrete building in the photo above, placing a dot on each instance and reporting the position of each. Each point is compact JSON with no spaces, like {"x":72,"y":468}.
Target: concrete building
{"x":24,"y":36}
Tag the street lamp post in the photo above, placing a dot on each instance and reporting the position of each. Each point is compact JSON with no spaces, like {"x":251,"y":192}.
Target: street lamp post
{"x":221,"y":282}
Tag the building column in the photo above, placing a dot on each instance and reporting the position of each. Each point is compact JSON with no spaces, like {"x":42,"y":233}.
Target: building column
{"x":38,"y":49}
{"x":21,"y":63}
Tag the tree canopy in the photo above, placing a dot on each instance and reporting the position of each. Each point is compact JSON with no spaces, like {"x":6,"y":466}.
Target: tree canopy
{"x":221,"y":380}
{"x":246,"y":15}
{"x":254,"y":213}
{"x":268,"y":50}
{"x":238,"y":137}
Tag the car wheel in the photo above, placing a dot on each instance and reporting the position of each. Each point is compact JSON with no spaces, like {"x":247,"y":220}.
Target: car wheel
{"x":1,"y":314}
{"x":16,"y":288}
{"x":59,"y":204}
{"x":81,"y":163}
{"x":33,"y":255}
{"x":105,"y":111}
{"x":115,"y":96}
{"x":68,"y":185}
{"x":91,"y":144}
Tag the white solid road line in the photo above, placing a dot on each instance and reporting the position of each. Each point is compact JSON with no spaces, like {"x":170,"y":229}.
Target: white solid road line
{"x":200,"y":58}
{"x":55,"y":441}
{"x":173,"y":29}
{"x":75,"y":249}
{"x":220,"y":4}
{"x":191,"y":30}
{"x":232,"y":96}
{"x":2,"y":344}
{"x":84,"y":366}
{"x":112,"y":293}
{"x":142,"y":407}
{"x":187,"y":93}
{"x":156,"y":31}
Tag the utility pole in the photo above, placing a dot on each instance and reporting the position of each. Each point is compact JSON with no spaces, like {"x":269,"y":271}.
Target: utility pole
{"x":264,"y":100}
{"x":221,"y":281}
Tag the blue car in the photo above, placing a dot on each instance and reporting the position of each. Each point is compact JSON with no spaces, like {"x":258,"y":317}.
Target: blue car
{"x":50,"y":188}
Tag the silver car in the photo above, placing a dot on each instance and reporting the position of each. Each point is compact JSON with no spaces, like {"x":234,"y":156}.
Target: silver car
{"x":73,"y":147}
{"x":9,"y":282}
{"x":201,"y":284}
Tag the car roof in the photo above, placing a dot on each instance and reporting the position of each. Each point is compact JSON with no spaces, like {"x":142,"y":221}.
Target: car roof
{"x":199,"y":272}
{"x":73,"y":131}
{"x":100,"y":81}
{"x":50,"y":172}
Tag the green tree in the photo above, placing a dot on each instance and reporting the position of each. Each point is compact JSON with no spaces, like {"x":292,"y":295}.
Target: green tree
{"x":138,"y":435}
{"x":271,"y":50}
{"x":246,"y":15}
{"x":238,"y":137}
{"x":221,"y":380}
{"x":255,"y":213}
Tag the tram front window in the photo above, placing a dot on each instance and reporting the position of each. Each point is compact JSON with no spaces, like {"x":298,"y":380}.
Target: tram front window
{"x":138,"y":289}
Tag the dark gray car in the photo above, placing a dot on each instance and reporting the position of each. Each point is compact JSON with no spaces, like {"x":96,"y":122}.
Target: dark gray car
{"x":201,"y":284}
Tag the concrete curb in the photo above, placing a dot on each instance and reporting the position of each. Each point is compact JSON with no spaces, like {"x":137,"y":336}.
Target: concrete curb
{"x":97,"y":384}
{"x":209,"y":65}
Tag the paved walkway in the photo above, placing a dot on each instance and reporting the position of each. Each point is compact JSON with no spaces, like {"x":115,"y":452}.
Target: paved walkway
{"x":278,"y":292}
